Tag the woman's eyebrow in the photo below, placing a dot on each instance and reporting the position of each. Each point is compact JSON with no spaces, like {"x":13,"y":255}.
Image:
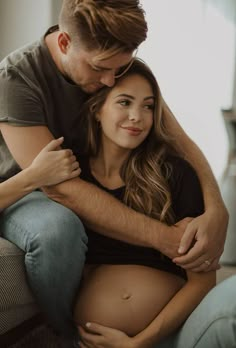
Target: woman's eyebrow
{"x":132,"y":97}
{"x":125,"y":95}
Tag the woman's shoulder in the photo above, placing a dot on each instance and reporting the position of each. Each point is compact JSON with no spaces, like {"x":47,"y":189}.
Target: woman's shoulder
{"x":185,"y":187}
{"x":178,"y":167}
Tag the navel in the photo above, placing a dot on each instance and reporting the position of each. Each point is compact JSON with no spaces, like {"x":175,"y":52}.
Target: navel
{"x":126,"y":295}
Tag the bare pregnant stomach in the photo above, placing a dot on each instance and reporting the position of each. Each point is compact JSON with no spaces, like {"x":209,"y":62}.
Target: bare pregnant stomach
{"x":124,"y":297}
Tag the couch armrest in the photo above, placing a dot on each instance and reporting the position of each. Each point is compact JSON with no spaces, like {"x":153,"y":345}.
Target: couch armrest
{"x":17,"y":303}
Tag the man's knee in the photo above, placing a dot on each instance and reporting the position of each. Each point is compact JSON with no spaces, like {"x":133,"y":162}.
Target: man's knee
{"x":58,"y":244}
{"x":60,"y":229}
{"x":36,"y":221}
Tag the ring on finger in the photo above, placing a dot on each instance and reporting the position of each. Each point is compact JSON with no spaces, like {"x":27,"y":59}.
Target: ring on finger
{"x":207,"y":262}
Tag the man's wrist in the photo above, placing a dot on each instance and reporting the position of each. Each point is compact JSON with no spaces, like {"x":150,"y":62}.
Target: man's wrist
{"x":156,"y":231}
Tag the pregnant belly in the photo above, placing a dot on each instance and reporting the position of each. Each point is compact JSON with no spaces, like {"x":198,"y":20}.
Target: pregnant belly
{"x":124,"y":297}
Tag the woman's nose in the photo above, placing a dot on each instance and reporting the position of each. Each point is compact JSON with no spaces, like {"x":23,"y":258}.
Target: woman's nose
{"x":134,"y":115}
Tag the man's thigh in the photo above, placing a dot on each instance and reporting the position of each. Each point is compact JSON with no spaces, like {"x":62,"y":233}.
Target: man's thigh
{"x":35,"y":215}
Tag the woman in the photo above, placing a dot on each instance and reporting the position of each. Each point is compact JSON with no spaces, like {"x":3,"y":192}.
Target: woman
{"x":137,"y":295}
{"x":48,"y":168}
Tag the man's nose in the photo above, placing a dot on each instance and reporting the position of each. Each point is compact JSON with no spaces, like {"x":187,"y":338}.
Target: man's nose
{"x":108,"y":78}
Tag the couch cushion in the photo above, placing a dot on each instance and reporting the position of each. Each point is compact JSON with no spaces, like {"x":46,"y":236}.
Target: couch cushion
{"x":17,"y":303}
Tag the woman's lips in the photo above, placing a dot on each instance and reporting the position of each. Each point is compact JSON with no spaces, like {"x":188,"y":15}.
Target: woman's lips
{"x":132,"y":130}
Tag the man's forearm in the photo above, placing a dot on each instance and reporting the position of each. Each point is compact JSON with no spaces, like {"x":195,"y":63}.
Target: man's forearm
{"x":106,"y":215}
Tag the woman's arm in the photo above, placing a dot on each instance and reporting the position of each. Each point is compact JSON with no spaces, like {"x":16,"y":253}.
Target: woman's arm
{"x":177,"y":310}
{"x":50,"y":167}
{"x":209,"y":229}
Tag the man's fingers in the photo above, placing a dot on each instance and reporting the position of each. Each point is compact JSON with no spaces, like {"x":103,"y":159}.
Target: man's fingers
{"x":197,"y":261}
{"x":195,"y":253}
{"x":187,"y":240}
{"x":202,"y":268}
{"x":214,"y":266}
{"x":205,"y":267}
{"x":198,"y":264}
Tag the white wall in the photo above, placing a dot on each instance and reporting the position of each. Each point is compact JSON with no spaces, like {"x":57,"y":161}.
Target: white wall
{"x":55,"y":9}
{"x":23,"y":21}
{"x":191,"y":50}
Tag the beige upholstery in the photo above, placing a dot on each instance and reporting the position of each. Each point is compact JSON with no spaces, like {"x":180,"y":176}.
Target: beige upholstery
{"x":16,"y":301}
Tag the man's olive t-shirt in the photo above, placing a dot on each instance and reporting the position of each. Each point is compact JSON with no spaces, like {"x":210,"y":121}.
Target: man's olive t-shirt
{"x":33,"y":92}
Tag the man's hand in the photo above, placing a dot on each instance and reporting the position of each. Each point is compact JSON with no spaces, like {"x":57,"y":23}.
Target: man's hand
{"x":169,"y":239}
{"x":206,"y":234}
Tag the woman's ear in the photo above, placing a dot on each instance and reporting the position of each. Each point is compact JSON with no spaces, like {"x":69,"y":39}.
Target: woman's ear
{"x":97,"y":117}
{"x":64,"y":41}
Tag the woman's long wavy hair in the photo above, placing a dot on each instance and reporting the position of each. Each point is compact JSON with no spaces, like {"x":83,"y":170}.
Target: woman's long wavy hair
{"x":146,"y":171}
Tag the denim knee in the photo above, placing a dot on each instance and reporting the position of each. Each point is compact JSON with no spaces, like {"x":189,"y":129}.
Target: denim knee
{"x":36,"y":217}
{"x":60,"y":240}
{"x":59,"y":230}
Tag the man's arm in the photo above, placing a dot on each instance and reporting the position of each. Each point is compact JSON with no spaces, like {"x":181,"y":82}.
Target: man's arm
{"x":209,"y":229}
{"x":100,"y":210}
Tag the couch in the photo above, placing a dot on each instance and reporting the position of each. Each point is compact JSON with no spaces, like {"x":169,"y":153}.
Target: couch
{"x":18,"y":309}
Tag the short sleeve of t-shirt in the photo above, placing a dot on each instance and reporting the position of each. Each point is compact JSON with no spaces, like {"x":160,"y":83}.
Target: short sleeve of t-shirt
{"x":20,"y":101}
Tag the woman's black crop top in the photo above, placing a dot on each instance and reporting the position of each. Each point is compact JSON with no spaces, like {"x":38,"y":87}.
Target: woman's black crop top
{"x":187,"y":201}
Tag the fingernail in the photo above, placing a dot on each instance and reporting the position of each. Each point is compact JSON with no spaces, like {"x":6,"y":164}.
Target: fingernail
{"x":181,"y":249}
{"x":88,"y":324}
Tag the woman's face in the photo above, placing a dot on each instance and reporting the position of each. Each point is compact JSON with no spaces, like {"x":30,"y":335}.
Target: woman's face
{"x":126,"y":117}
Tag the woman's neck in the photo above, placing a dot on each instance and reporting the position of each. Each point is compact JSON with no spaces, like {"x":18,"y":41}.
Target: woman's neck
{"x":107,"y":164}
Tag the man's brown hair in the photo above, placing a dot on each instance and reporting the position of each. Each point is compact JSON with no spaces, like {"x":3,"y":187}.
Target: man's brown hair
{"x":106,"y":25}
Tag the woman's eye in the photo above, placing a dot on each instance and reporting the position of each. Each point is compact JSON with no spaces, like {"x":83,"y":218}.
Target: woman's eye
{"x":149,"y":106}
{"x":124,"y":102}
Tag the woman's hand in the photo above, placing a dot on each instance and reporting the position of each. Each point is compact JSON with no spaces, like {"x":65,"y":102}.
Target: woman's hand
{"x":207,"y":234}
{"x":53,"y":165}
{"x":98,"y":336}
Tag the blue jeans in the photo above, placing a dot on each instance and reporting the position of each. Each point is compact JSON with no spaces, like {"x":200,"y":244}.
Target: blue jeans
{"x":54,"y":240}
{"x":212,"y":324}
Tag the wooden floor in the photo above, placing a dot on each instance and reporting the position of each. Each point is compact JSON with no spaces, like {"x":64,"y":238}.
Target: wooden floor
{"x":225,"y":272}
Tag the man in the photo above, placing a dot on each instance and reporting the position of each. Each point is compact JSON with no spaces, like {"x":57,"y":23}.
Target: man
{"x":43,"y":87}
